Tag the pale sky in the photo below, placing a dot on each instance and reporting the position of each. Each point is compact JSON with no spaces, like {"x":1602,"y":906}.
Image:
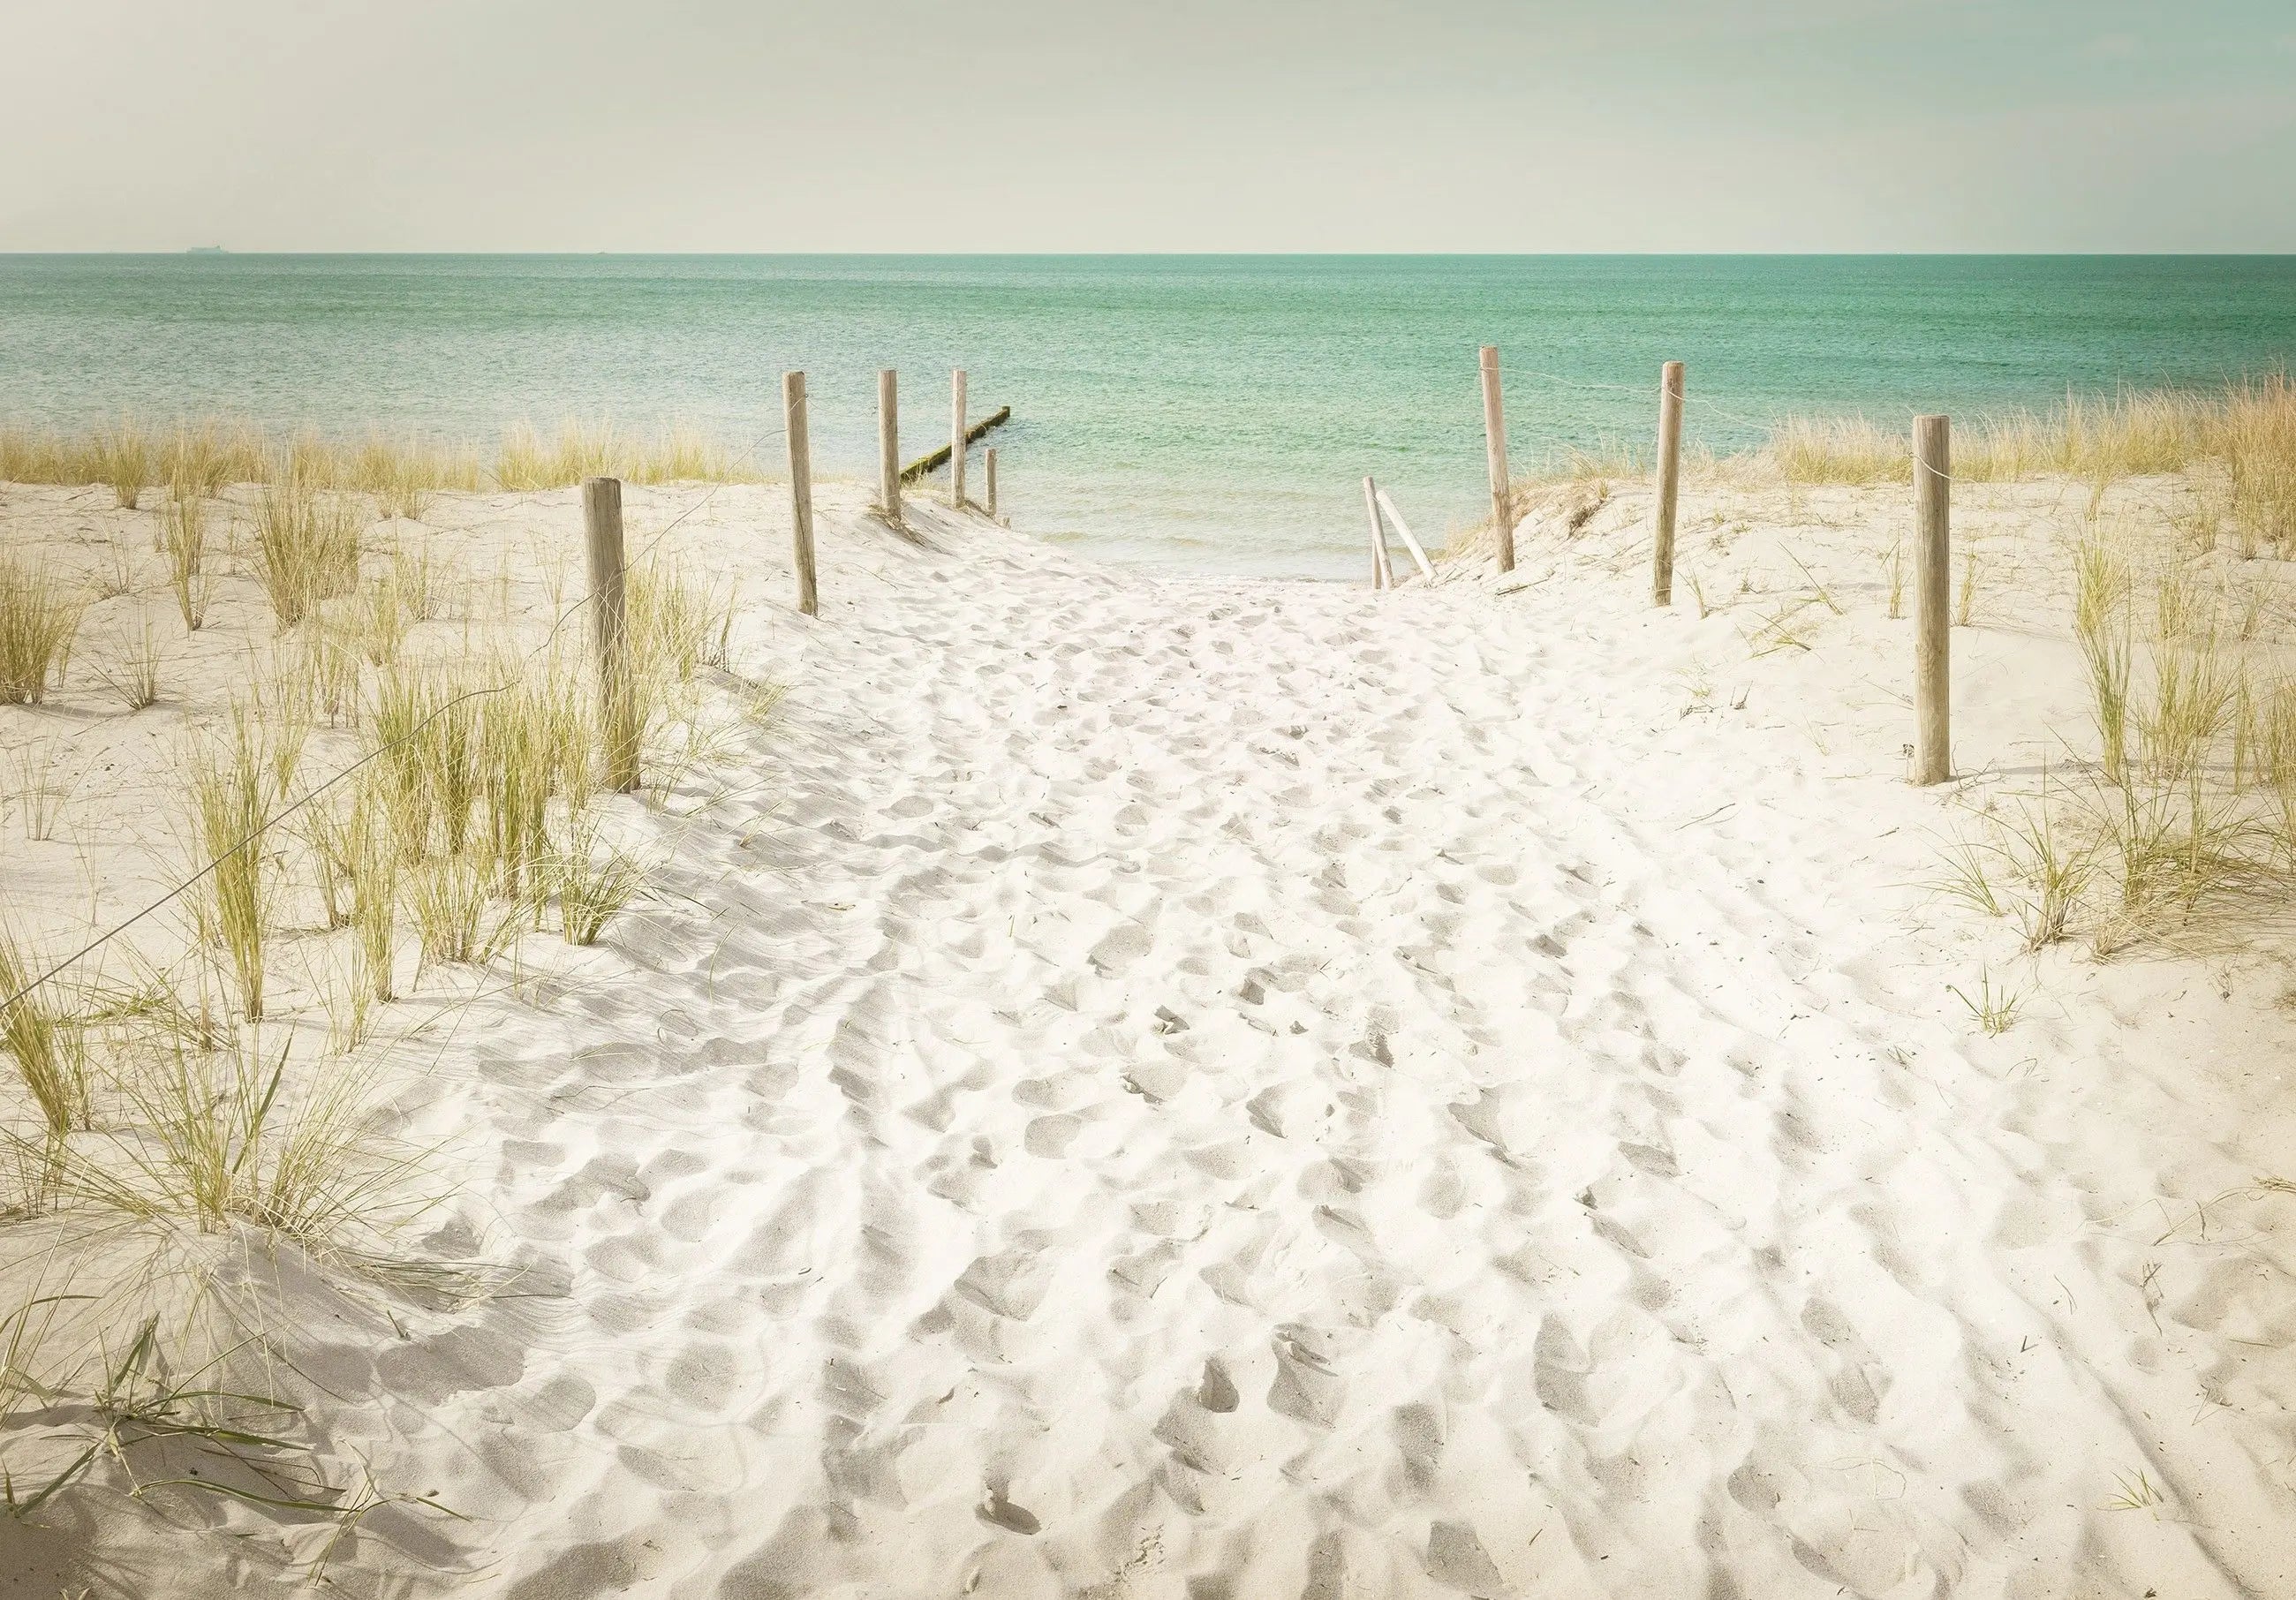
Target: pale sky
{"x":1164,"y":125}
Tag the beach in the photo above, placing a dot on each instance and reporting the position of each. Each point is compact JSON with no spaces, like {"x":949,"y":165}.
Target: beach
{"x":1140,"y":1084}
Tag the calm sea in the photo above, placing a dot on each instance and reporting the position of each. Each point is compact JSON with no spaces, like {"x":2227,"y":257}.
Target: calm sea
{"x":1214,"y":412}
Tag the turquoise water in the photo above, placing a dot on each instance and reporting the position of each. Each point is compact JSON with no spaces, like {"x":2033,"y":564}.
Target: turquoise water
{"x":1216,"y":412}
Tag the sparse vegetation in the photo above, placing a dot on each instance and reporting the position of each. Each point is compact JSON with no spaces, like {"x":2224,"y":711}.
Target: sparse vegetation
{"x":42,"y":779}
{"x":1995,"y":1007}
{"x":39,"y":618}
{"x":398,"y":474}
{"x":229,"y":794}
{"x":45,"y":1039}
{"x":2187,"y":813}
{"x":307,"y":547}
{"x":674,"y":453}
{"x":2248,"y":429}
{"x":2101,"y":583}
{"x":132,"y":672}
{"x":183,"y":540}
{"x":592,"y":881}
{"x":121,"y":458}
{"x":227,"y":1098}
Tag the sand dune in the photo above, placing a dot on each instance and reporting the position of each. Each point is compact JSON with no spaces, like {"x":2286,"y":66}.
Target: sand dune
{"x":1231,"y":1089}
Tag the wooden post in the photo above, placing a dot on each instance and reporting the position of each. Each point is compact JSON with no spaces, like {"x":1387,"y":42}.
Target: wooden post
{"x":888,"y":445}
{"x":1386,"y":504}
{"x":609,"y":631}
{"x":957,"y":439}
{"x":1670,"y":477}
{"x":988,"y":478}
{"x":1494,"y":449}
{"x":800,"y":465}
{"x":1933,"y":581}
{"x":1382,"y":575}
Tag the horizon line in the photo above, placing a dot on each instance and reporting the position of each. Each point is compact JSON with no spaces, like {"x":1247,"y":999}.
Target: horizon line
{"x":210,"y":250}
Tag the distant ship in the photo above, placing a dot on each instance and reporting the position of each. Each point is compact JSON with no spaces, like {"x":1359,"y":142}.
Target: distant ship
{"x":206,"y":250}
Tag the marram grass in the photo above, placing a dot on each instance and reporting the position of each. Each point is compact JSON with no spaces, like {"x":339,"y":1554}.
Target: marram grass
{"x":397,"y":473}
{"x":2248,"y":428}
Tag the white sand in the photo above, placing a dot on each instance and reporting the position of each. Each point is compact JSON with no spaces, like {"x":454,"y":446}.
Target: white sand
{"x":1232,"y":1089}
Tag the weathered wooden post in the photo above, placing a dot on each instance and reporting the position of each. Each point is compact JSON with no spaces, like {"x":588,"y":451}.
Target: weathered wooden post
{"x":957,"y":439}
{"x":800,"y":466}
{"x":1494,"y":449}
{"x":1933,"y":581}
{"x":988,"y":478}
{"x":609,"y":631}
{"x":1418,"y":553}
{"x":1670,"y":477}
{"x":1383,"y":575}
{"x":888,"y":445}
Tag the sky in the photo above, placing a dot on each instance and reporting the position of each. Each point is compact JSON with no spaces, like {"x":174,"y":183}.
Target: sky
{"x":1158,"y":126}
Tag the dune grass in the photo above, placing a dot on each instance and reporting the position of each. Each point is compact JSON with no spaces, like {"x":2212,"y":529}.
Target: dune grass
{"x":370,"y":861}
{"x":132,"y":668}
{"x":2181,"y":829}
{"x":39,"y":618}
{"x":46,"y":1040}
{"x":183,"y":540}
{"x":41,"y":779}
{"x":400,"y":473}
{"x":307,"y":547}
{"x":591,"y":881}
{"x":2247,"y":429}
{"x":674,"y":453}
{"x":120,"y":456}
{"x":229,"y":1106}
{"x":230,"y":790}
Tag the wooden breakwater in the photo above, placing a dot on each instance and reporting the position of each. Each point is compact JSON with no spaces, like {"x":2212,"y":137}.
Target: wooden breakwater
{"x":938,"y":458}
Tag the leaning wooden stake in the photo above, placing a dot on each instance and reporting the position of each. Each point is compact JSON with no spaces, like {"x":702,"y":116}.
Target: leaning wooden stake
{"x":1383,"y":575}
{"x":1933,"y":581}
{"x":800,"y":465}
{"x":1418,"y":556}
{"x":609,"y":631}
{"x":888,"y":445}
{"x":1494,"y":449}
{"x":957,"y":439}
{"x":1670,"y":476}
{"x":988,"y":478}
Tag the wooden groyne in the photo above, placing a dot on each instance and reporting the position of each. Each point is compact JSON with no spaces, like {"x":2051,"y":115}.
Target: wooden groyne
{"x":938,"y":458}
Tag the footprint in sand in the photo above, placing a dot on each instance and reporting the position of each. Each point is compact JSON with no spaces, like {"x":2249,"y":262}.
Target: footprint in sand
{"x":1000,"y":1512}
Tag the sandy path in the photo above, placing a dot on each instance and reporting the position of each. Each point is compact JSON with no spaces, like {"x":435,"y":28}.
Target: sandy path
{"x":1232,"y":1089}
{"x":1259,"y":1092}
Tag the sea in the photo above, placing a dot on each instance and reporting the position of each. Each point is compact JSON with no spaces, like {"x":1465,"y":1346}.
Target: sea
{"x":1211,"y":413}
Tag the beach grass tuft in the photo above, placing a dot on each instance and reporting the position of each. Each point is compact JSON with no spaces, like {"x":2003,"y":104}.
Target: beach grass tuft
{"x":45,"y":1038}
{"x":592,"y":882}
{"x":307,"y":546}
{"x":228,"y":794}
{"x":183,"y":540}
{"x":120,"y":456}
{"x":39,"y":618}
{"x":131,"y":671}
